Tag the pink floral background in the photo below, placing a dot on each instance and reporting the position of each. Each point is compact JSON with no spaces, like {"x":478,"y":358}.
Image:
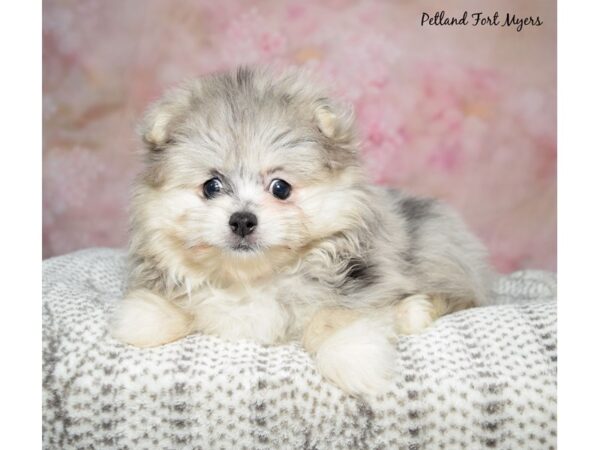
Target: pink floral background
{"x":467,"y":114}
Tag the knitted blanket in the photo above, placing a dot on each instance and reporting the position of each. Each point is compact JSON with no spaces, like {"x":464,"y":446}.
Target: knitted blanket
{"x":481,"y":378}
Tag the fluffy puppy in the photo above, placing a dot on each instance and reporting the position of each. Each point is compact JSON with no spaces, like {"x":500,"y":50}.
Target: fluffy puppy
{"x":253,"y":219}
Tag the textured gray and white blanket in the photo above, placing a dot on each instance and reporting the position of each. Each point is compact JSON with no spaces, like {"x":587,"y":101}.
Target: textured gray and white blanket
{"x":481,"y":378}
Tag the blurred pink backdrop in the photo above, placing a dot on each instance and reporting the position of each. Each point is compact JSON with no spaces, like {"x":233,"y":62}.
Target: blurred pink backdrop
{"x":467,"y":114}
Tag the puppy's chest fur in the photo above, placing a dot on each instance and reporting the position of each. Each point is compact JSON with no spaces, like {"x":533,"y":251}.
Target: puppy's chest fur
{"x":268,"y":311}
{"x":276,"y":308}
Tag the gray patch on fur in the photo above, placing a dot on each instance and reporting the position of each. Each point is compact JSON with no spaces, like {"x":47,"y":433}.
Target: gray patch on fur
{"x":415,"y":211}
{"x":244,"y":76}
{"x":359,"y":274}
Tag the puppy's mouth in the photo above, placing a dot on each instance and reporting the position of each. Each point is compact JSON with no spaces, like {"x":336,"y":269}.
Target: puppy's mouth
{"x":244,"y":246}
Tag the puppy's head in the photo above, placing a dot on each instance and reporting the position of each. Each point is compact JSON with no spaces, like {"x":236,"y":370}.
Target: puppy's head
{"x":243,"y":171}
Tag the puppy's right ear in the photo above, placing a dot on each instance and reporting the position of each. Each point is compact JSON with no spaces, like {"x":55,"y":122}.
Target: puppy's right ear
{"x":156,"y":127}
{"x":159,"y":124}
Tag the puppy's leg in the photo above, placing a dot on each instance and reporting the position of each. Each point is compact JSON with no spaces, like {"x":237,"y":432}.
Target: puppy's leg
{"x":417,"y":312}
{"x":353,"y":352}
{"x":145,"y":319}
{"x":324,"y":323}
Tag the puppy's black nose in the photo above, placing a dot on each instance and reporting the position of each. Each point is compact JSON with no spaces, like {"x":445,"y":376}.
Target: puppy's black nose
{"x":243,"y":223}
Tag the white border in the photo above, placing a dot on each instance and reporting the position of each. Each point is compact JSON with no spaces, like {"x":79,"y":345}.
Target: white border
{"x":20,"y":236}
{"x":578,"y":225}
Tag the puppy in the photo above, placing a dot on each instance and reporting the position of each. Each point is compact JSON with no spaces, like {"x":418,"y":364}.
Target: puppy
{"x":253,"y":219}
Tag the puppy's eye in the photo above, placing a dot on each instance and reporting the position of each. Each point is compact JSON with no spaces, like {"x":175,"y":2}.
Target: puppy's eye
{"x":212,"y":187}
{"x":280,"y":189}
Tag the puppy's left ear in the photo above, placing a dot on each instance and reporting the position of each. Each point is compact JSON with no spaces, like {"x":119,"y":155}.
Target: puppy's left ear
{"x":335,"y":122}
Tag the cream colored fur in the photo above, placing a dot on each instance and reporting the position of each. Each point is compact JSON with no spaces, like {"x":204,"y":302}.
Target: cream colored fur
{"x":341,"y":264}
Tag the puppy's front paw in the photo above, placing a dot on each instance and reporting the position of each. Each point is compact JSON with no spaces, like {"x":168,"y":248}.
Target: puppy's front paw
{"x":414,"y":314}
{"x":358,"y":358}
{"x":324,"y":323}
{"x":145,"y":319}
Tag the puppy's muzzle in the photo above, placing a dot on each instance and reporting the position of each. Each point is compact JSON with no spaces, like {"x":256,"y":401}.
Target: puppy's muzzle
{"x":243,"y":223}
